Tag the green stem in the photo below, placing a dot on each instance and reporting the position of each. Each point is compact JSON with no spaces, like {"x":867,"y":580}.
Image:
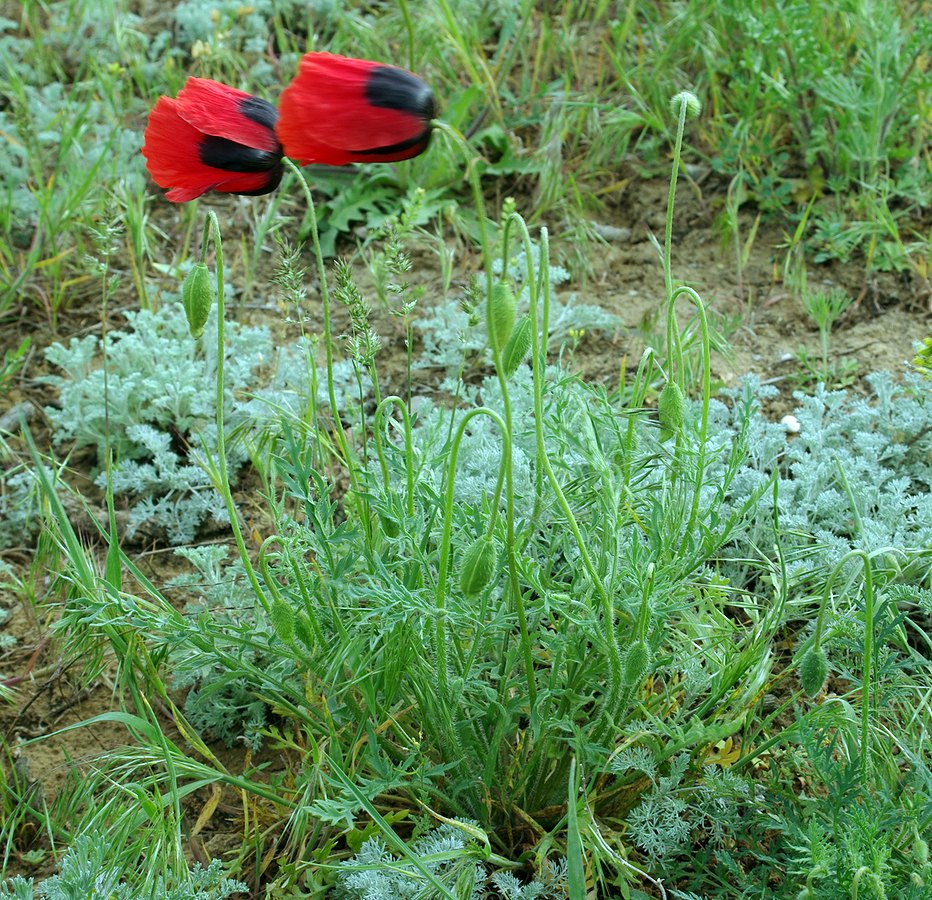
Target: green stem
{"x":674,"y":362}
{"x":212,"y":229}
{"x":868,"y":653}
{"x":704,"y":416}
{"x":538,"y":363}
{"x":510,"y":542}
{"x":445,"y":541}
{"x":328,"y":329}
{"x":409,"y":27}
{"x":409,"y":450}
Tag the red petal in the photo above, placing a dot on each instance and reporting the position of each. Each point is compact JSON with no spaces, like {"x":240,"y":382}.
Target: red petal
{"x":326,"y":117}
{"x":171,"y":149}
{"x":217,"y":109}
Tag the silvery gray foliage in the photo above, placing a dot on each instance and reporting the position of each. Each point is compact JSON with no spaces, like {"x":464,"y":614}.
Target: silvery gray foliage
{"x":155,"y":411}
{"x":85,"y":872}
{"x":375,"y":873}
{"x":670,"y":812}
{"x":447,"y":336}
{"x":883,"y":441}
{"x":18,"y":507}
{"x":287,"y":392}
{"x":217,"y":699}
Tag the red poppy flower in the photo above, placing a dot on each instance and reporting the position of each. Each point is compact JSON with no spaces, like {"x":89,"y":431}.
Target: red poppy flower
{"x":340,"y":110}
{"x":212,"y":138}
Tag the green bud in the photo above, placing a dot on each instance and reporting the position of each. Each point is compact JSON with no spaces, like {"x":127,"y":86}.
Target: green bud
{"x":304,"y":630}
{"x":477,"y":566}
{"x":197,"y":295}
{"x":503,"y":315}
{"x":389,"y":525}
{"x":282,"y":616}
{"x":516,"y":350}
{"x":671,"y":407}
{"x":813,"y":670}
{"x":693,"y":106}
{"x":637,"y":662}
{"x":920,"y":848}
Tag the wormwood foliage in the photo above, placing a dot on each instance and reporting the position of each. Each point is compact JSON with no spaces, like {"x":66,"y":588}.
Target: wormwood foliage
{"x":149,"y":402}
{"x":84,"y":872}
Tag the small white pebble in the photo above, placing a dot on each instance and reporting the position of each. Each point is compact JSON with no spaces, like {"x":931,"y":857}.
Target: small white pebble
{"x":790,"y":424}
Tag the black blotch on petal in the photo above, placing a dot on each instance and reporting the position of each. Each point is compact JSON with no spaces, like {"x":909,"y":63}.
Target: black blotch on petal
{"x":259,"y":111}
{"x":391,"y":88}
{"x":220,"y":153}
{"x":415,"y":145}
{"x":274,"y":179}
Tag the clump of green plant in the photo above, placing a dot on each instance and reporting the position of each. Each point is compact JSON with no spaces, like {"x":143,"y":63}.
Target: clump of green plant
{"x":825,"y":307}
{"x":533,"y":610}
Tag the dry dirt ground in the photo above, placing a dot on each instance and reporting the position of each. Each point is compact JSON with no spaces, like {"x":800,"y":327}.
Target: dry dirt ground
{"x":765,"y":325}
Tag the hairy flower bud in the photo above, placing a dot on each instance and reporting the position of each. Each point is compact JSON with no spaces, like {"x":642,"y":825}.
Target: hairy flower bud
{"x":197,"y":295}
{"x":813,"y":670}
{"x":478,"y":566}
{"x":518,"y":346}
{"x":693,"y":106}
{"x":921,"y":850}
{"x":304,"y":630}
{"x":637,"y":662}
{"x":671,"y":407}
{"x":282,"y":617}
{"x":502,"y":320}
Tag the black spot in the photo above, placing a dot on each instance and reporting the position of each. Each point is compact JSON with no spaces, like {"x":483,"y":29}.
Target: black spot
{"x":391,"y":88}
{"x":259,"y":111}
{"x":230,"y":156}
{"x":416,"y":144}
{"x":274,"y":178}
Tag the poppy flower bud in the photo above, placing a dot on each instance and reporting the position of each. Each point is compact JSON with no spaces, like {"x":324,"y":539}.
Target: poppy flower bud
{"x":283,"y":620}
{"x":478,"y":566}
{"x":637,"y":662}
{"x":813,"y":670}
{"x":304,"y":630}
{"x":212,"y":138}
{"x":340,"y":110}
{"x":502,"y":319}
{"x":693,"y":106}
{"x":671,"y":408}
{"x":518,"y":346}
{"x":197,"y":297}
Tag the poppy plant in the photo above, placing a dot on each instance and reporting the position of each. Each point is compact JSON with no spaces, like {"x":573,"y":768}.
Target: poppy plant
{"x":212,"y":138}
{"x":340,"y":110}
